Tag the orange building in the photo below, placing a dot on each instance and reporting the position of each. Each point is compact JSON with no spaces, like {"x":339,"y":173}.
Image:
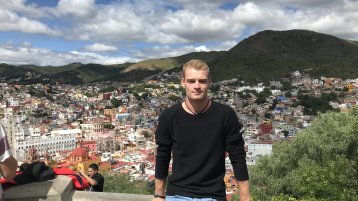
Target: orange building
{"x":79,"y":159}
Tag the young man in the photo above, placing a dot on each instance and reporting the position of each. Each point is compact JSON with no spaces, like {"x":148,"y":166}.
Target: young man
{"x":8,"y":163}
{"x":95,"y":179}
{"x":198,"y":132}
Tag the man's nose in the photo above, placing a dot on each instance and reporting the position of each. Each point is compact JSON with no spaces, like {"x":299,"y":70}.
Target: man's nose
{"x":197,"y":84}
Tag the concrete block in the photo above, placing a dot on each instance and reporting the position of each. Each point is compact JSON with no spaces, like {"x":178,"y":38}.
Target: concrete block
{"x":59,"y":189}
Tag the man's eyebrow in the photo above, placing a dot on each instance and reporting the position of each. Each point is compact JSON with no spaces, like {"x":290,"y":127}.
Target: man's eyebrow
{"x":196,"y":79}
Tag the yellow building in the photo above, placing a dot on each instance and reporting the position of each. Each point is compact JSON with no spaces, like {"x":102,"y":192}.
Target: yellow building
{"x":79,"y":159}
{"x":349,"y":87}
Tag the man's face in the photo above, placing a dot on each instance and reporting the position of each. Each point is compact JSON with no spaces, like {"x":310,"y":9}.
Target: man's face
{"x":91,"y":172}
{"x":196,"y":84}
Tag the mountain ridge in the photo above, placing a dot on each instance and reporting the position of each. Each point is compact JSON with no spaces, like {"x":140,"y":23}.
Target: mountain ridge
{"x":266,"y":55}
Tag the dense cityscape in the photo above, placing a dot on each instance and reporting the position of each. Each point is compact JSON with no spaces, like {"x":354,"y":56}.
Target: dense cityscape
{"x":113,"y":124}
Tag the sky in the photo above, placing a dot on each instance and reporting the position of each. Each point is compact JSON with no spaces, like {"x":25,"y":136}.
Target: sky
{"x":59,"y":32}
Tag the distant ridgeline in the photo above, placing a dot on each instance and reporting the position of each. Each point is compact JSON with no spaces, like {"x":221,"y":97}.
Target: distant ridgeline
{"x":267,"y":55}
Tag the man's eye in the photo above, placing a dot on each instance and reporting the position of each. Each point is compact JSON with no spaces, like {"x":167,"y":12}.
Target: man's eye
{"x":191,"y":81}
{"x":202,"y":81}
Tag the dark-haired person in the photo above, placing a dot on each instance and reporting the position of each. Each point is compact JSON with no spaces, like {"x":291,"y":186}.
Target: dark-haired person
{"x":198,"y":132}
{"x":8,"y":164}
{"x":95,"y":179}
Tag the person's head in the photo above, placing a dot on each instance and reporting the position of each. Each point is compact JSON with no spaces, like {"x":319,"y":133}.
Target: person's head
{"x":196,"y":79}
{"x":92,"y":169}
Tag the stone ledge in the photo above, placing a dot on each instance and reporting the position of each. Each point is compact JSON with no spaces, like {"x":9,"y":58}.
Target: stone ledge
{"x":97,"y":196}
{"x":61,"y":189}
{"x":58,"y":189}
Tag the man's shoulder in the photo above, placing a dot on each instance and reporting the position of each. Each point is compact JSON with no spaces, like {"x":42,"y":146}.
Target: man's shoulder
{"x":171,"y":110}
{"x":223,"y":107}
{"x":98,"y":176}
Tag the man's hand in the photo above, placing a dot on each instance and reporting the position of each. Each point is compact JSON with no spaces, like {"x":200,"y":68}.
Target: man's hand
{"x":8,"y":168}
{"x":158,"y":199}
{"x":159,"y":189}
{"x":82,"y":172}
{"x":244,"y":190}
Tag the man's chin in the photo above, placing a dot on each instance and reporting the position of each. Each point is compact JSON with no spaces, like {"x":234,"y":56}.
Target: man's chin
{"x":196,"y":98}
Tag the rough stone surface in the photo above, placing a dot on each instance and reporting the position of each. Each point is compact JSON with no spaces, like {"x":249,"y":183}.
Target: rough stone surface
{"x":58,"y":189}
{"x":61,"y":189}
{"x":97,"y":196}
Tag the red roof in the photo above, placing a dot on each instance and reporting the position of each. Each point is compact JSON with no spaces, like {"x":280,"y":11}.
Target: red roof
{"x":88,"y":142}
{"x":79,"y":152}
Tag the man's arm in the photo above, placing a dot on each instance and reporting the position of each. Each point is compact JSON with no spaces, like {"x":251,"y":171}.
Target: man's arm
{"x":244,"y":190}
{"x":164,"y":141}
{"x":159,"y":189}
{"x":8,"y":168}
{"x":89,"y":179}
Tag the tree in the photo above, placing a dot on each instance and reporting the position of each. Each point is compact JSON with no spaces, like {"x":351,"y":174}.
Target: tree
{"x":268,"y":115}
{"x":108,"y":126}
{"x":115,"y":102}
{"x":318,"y":164}
{"x":120,"y":183}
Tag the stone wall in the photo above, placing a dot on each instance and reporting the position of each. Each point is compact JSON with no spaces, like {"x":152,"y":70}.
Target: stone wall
{"x":61,"y":189}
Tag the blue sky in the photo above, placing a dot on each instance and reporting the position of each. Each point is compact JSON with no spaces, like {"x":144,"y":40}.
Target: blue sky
{"x":58,"y":32}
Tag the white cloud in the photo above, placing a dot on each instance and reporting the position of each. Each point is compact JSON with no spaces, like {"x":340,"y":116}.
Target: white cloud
{"x":99,"y":47}
{"x":20,"y":7}
{"x":165,"y":28}
{"x":200,"y":27}
{"x":201,"y":48}
{"x":46,"y":57}
{"x":10,"y":21}
{"x":163,"y":51}
{"x":80,"y":9}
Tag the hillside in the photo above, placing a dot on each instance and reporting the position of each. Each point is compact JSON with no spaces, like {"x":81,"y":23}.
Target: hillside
{"x":153,"y":64}
{"x":267,"y":55}
{"x":270,"y":55}
{"x":173,"y":62}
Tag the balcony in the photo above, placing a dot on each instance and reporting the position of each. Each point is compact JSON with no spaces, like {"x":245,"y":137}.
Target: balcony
{"x":61,"y":189}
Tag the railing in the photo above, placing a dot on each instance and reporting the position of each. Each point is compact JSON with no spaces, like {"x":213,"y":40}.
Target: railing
{"x":61,"y":189}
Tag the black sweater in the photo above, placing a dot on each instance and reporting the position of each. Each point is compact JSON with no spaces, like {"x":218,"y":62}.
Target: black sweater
{"x":199,"y":143}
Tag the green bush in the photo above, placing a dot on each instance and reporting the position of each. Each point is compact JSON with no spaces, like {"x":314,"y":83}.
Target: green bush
{"x":321,"y":163}
{"x":120,"y":183}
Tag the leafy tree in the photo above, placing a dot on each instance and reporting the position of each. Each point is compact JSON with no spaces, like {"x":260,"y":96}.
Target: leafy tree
{"x":314,"y":105}
{"x":286,"y":85}
{"x":265,"y":93}
{"x":108,"y":89}
{"x":108,"y":126}
{"x":329,"y":97}
{"x":115,"y":102}
{"x":274,"y":103}
{"x":120,"y":183}
{"x":321,"y":163}
{"x":146,"y":134}
{"x":268,"y":115}
{"x":260,"y":100}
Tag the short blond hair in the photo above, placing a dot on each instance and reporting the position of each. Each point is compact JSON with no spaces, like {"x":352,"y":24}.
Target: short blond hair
{"x":196,"y":64}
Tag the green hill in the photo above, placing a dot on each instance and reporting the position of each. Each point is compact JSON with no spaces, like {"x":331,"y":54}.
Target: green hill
{"x":267,"y":55}
{"x":271,"y":55}
{"x":165,"y":64}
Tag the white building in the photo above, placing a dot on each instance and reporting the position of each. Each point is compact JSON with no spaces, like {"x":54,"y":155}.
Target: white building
{"x":59,"y":140}
{"x":258,"y":149}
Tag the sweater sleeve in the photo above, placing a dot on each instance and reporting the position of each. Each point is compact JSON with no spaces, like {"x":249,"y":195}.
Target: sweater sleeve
{"x":164,"y":142}
{"x":235,"y":147}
